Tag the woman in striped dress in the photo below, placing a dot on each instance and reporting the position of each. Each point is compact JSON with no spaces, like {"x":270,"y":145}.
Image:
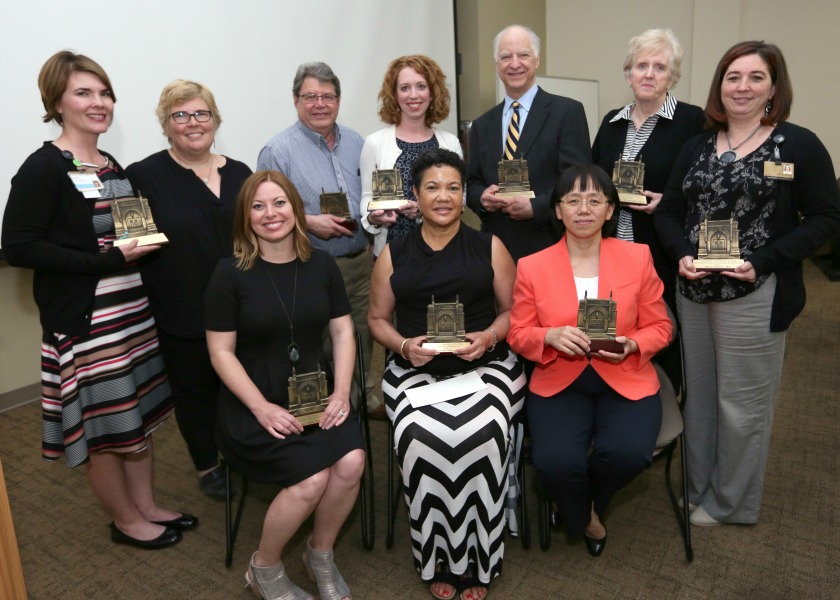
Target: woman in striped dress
{"x":103,"y":385}
{"x":454,"y":452}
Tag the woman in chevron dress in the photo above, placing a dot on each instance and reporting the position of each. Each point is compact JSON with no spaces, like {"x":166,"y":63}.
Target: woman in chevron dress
{"x":454,"y":452}
{"x":104,"y":389}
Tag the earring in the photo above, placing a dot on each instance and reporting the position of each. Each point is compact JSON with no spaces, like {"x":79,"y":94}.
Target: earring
{"x":463,"y":208}
{"x":768,"y":107}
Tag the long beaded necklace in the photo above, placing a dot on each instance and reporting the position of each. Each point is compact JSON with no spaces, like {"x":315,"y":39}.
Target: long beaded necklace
{"x":293,"y":349}
{"x":730,"y":155}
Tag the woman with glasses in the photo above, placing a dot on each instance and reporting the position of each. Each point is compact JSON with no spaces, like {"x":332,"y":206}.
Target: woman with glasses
{"x":594,"y":413}
{"x":192,"y":192}
{"x":103,"y":384}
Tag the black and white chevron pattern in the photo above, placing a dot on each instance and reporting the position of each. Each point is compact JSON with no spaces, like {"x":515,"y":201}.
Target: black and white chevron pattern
{"x":454,"y":458}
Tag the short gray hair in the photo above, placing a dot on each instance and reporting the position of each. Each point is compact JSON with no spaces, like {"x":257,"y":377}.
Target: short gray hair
{"x":535,"y":40}
{"x":320,"y":71}
{"x":655,"y":40}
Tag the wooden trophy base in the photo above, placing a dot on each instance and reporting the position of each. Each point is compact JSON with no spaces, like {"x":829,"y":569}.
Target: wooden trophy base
{"x":717,"y":264}
{"x":395,"y":204}
{"x":143,"y":240}
{"x":445,"y":347}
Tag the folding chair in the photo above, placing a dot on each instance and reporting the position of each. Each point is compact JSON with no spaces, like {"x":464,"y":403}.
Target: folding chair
{"x":365,"y":491}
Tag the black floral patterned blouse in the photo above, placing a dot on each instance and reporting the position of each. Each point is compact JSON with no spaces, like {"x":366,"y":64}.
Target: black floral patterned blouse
{"x":719,"y":191}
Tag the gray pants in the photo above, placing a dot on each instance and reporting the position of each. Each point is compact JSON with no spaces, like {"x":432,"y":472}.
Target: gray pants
{"x":733,"y":367}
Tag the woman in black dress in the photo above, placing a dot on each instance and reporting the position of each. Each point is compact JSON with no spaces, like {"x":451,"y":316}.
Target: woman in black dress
{"x":266,"y":310}
{"x":453,"y":452}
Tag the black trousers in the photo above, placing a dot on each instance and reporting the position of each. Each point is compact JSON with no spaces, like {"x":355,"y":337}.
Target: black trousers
{"x":195,"y":392}
{"x":588,"y":442}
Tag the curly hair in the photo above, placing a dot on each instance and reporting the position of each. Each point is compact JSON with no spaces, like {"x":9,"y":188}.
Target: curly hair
{"x":438,"y":110}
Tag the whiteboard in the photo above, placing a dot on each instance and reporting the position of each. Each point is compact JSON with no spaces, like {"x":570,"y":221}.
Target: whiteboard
{"x":245,"y":52}
{"x":584,"y":91}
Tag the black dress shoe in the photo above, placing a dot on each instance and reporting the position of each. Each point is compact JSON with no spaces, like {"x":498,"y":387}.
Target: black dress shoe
{"x":595,"y":547}
{"x":183,"y":522}
{"x":213,"y":484}
{"x":169,"y":537}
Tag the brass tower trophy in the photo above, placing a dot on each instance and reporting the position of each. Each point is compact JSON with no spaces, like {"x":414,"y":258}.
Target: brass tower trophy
{"x":445,"y":326}
{"x":514,"y":180}
{"x":717,"y":246}
{"x":387,"y":190}
{"x":628,"y":177}
{"x":308,"y":396}
{"x":335,"y":203}
{"x":597,"y":320}
{"x":133,"y":221}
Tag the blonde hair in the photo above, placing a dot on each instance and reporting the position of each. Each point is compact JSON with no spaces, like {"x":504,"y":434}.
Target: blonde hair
{"x":656,"y":40}
{"x":180,"y":91}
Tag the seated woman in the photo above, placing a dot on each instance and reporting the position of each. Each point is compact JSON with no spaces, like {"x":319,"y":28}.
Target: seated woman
{"x":594,"y":415}
{"x":266,"y":309}
{"x":453,"y":454}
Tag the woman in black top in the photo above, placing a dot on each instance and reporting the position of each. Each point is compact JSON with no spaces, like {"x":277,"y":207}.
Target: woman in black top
{"x":104,"y":389}
{"x":266,"y":311}
{"x":454,"y":453}
{"x":191,"y":192}
{"x":770,"y":186}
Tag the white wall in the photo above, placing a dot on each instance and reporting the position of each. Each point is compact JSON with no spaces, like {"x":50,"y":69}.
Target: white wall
{"x":245,"y":52}
{"x":589,"y":39}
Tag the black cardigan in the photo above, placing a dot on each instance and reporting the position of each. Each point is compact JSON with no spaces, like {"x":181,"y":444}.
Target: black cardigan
{"x":659,"y":154}
{"x":48,"y":226}
{"x":807,"y":216}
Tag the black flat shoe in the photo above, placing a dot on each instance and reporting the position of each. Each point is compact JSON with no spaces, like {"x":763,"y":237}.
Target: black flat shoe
{"x":595,"y":547}
{"x":184,"y":522}
{"x":169,"y":537}
{"x":213,"y":484}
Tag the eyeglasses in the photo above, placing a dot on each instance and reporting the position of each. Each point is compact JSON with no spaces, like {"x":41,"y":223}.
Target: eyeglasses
{"x":593,"y":203}
{"x":313,"y":98}
{"x":181,"y":117}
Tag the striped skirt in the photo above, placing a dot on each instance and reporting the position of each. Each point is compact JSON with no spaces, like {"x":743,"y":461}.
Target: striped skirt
{"x":105,"y":391}
{"x":454,"y":458}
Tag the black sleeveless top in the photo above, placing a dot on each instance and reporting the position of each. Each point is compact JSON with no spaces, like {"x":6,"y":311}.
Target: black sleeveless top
{"x":462,"y":269}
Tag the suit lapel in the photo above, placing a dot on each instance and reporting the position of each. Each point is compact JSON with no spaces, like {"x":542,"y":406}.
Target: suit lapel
{"x":540,"y":108}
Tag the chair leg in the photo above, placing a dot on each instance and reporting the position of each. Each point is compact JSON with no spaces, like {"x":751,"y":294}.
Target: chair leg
{"x":366,"y":500}
{"x":524,"y":521}
{"x":392,"y":495}
{"x":544,"y":519}
{"x":682,"y":513}
{"x":231,"y":524}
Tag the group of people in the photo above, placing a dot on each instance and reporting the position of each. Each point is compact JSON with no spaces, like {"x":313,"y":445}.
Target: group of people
{"x":256,"y":285}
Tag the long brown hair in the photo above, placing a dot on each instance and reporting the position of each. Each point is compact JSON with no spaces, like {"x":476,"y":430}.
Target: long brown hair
{"x":246,"y":248}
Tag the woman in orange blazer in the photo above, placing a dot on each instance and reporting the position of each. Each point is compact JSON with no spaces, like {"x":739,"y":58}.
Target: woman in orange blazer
{"x":594,"y":415}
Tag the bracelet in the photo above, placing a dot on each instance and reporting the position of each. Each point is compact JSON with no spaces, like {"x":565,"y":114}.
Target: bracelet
{"x":495,"y":340}
{"x":402,"y":349}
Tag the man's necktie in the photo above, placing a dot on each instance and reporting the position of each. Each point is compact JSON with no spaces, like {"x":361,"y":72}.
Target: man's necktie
{"x":512,"y":141}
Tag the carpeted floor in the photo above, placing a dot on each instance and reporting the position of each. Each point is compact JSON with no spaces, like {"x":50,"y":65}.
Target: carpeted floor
{"x":792,"y":553}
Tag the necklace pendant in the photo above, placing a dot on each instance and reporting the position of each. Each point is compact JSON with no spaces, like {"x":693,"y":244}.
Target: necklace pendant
{"x":728,"y":157}
{"x":294,"y":352}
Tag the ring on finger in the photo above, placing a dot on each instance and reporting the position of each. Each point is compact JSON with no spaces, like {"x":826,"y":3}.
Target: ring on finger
{"x":341,"y":413}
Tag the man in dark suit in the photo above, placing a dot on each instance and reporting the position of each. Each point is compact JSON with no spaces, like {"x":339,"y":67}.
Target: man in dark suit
{"x":553,"y":135}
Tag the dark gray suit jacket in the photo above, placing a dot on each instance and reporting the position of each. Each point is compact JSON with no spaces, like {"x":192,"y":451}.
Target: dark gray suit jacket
{"x":555,"y":136}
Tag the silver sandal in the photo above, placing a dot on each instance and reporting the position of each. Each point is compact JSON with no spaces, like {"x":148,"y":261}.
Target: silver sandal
{"x":271,"y":583}
{"x":322,"y":570}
